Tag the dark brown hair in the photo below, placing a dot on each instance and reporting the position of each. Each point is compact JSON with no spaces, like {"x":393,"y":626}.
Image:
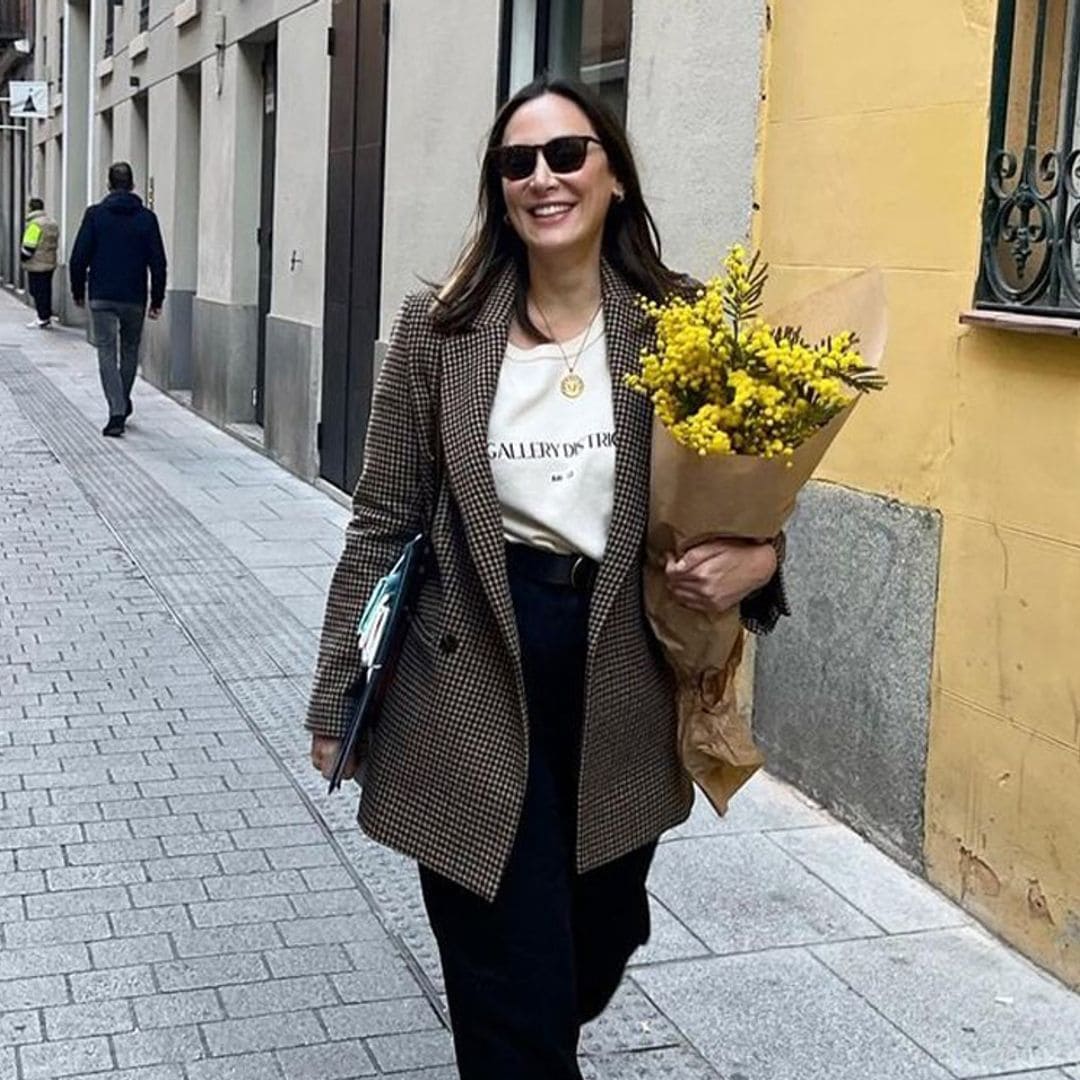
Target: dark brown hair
{"x":121,"y":177}
{"x":630,"y":243}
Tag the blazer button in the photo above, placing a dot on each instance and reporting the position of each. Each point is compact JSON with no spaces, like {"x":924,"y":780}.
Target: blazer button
{"x":449,"y":644}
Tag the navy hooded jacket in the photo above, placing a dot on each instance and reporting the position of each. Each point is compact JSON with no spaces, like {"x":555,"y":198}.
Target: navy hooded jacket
{"x":119,"y":243}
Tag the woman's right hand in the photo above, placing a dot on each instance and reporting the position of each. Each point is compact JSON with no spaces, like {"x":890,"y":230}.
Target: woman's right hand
{"x":324,"y":752}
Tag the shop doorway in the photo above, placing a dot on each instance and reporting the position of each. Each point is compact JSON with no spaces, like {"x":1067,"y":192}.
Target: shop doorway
{"x":354,"y":232}
{"x":266,"y":218}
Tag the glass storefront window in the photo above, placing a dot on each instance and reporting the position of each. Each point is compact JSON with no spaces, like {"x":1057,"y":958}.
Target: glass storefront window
{"x":585,"y":39}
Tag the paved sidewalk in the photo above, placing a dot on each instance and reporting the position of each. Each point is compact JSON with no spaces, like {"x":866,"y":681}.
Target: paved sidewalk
{"x":179,"y":900}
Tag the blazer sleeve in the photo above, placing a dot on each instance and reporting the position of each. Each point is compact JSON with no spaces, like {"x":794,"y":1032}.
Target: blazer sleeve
{"x":387,"y":511}
{"x":762,"y":610}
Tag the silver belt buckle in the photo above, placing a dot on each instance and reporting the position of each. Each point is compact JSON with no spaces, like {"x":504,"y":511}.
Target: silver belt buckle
{"x":579,"y":564}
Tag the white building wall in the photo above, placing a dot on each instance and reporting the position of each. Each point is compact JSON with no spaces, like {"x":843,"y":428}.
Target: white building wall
{"x":693,"y":98}
{"x":303,"y":103}
{"x":162,"y":159}
{"x":229,"y":179}
{"x":441,"y":97}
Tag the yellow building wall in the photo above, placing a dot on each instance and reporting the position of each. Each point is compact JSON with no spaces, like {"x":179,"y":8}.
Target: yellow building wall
{"x":873,"y":143}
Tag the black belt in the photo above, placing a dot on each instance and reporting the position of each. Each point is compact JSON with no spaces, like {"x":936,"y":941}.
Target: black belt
{"x":568,"y":571}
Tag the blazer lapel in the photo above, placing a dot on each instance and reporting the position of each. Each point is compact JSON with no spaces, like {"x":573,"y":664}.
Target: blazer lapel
{"x":471,"y":363}
{"x":628,"y":331}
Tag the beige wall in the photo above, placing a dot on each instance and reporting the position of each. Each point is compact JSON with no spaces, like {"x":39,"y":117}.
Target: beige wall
{"x":229,"y":179}
{"x":303,"y":103}
{"x":162,"y":157}
{"x":441,"y":100}
{"x":693,"y":100}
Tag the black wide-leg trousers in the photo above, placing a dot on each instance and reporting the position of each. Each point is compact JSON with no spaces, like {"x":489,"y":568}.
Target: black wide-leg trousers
{"x":525,"y":972}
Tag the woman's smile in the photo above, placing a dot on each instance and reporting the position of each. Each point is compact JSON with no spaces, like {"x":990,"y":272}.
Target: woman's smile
{"x":551,"y":212}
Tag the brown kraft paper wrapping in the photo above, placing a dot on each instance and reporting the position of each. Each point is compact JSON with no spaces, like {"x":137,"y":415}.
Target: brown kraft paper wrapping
{"x":694,"y":499}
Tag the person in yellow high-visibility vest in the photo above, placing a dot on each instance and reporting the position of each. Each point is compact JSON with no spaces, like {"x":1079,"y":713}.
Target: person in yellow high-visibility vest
{"x":40,"y":243}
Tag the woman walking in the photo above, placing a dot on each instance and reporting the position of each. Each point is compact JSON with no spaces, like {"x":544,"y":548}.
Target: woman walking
{"x":526,"y":753}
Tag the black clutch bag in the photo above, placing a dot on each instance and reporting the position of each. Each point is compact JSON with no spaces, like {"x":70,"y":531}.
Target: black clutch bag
{"x":381,"y":634}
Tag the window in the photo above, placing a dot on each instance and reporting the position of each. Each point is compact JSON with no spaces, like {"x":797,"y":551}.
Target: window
{"x":585,"y":39}
{"x":144,"y":16}
{"x":110,"y":26}
{"x":1031,"y":208}
{"x":60,"y":60}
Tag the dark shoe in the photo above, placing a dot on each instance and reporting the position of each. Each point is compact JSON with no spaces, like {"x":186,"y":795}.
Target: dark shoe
{"x":115,"y":427}
{"x":130,"y":408}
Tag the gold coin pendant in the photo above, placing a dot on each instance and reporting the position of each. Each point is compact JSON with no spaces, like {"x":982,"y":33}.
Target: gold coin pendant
{"x":572,"y":385}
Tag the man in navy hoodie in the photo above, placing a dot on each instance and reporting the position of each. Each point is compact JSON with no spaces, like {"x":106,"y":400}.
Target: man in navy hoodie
{"x":118,"y":245}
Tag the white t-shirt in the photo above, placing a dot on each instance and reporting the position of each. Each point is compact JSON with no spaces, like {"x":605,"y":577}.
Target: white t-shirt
{"x":553,"y":457}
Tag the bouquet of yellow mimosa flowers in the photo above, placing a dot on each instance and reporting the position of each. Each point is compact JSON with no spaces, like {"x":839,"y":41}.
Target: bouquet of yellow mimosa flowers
{"x":744,"y":410}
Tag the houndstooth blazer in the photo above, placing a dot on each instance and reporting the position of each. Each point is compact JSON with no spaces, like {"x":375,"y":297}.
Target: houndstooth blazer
{"x":446,"y":768}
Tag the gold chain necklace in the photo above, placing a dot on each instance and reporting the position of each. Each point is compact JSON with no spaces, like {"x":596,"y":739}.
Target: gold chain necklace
{"x":572,"y":384}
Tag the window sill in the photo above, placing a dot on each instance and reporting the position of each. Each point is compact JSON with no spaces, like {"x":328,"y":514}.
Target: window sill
{"x":1021,"y":324}
{"x":185,"y":12}
{"x":105,"y":68}
{"x":139,"y":44}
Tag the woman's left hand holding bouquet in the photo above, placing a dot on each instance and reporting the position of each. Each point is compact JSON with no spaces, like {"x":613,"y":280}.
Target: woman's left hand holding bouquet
{"x":715,"y":576}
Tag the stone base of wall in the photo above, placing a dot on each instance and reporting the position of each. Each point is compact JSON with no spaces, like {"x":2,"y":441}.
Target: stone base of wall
{"x":167,"y":352}
{"x":293,"y":376}
{"x":224,"y":361}
{"x":842,"y":689}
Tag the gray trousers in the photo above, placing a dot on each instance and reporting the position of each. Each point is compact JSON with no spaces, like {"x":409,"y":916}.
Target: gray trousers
{"x":117,"y":333}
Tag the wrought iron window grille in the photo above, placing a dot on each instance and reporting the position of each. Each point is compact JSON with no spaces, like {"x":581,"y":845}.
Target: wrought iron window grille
{"x":1030,"y":259}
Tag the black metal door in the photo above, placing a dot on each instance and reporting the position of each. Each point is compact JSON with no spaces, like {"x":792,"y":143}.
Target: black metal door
{"x":266,"y":219}
{"x":354,"y":232}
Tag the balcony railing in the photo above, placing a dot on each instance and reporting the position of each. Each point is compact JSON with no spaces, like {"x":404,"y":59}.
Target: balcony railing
{"x":14,"y":20}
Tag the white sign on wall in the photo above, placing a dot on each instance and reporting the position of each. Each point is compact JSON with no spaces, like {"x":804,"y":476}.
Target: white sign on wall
{"x":29,"y":100}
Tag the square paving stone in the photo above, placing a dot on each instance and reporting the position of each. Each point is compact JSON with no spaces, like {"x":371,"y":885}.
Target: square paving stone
{"x":278,"y":996}
{"x":238,"y":1067}
{"x":161,"y":1047}
{"x":149,"y":1072}
{"x":673,"y":1063}
{"x":335,"y":1061}
{"x":781,"y":1015}
{"x":1042,"y":1074}
{"x":630,"y":1023}
{"x":426,"y":1074}
{"x":764,"y":803}
{"x":895,"y":899}
{"x":741,"y":893}
{"x":93,"y":1018}
{"x":976,"y":1006}
{"x":22,"y":1027}
{"x":263,"y":1033}
{"x":380,"y":973}
{"x":379,"y":1018}
{"x":413,"y":1050}
{"x":71,"y":1057}
{"x":669,"y":940}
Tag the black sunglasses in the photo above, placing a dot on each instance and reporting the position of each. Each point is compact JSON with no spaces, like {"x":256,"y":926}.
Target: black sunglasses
{"x":564,"y":154}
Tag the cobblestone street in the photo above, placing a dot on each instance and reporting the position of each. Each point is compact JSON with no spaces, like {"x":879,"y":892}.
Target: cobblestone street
{"x":179,"y":900}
